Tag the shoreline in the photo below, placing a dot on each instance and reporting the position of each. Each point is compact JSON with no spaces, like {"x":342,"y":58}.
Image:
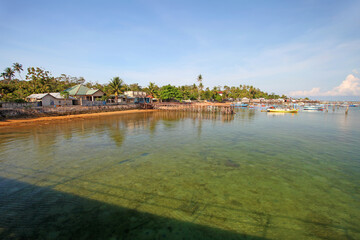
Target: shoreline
{"x":29,"y":121}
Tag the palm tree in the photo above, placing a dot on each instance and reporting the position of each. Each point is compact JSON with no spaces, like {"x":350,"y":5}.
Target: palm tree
{"x":201,"y":87}
{"x":116,"y":86}
{"x":3,"y":75}
{"x":153,"y":90}
{"x":199,"y":79}
{"x":18,"y":68}
{"x":9,"y":72}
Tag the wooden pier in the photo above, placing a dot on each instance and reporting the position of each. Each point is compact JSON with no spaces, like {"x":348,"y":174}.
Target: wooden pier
{"x":195,"y":107}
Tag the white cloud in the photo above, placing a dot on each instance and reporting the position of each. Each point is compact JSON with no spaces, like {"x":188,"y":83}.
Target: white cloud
{"x":349,"y":87}
{"x":312,"y":92}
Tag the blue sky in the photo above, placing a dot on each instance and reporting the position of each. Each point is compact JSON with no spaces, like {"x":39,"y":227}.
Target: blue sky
{"x":286,"y":47}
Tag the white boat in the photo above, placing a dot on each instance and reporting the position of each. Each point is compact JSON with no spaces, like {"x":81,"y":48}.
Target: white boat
{"x":314,"y":108}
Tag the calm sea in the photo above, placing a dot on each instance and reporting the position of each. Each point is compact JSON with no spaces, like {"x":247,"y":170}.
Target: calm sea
{"x":171,"y":175}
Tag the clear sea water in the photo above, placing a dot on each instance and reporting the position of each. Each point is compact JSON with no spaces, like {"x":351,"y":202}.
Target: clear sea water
{"x":172,"y":175}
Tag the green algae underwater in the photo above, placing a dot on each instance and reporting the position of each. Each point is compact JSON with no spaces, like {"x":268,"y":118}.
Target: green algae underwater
{"x":173,"y":175}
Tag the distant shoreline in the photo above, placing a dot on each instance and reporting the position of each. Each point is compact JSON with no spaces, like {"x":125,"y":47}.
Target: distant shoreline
{"x":29,"y":121}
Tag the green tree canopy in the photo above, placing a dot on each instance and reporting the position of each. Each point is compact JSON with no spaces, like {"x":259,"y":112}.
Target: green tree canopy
{"x":116,"y":86}
{"x":169,"y":92}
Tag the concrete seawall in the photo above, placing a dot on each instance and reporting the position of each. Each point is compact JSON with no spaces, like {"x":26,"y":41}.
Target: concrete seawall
{"x":11,"y":113}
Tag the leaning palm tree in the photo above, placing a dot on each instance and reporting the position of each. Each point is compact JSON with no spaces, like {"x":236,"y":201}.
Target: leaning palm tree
{"x":116,"y":86}
{"x":18,"y":68}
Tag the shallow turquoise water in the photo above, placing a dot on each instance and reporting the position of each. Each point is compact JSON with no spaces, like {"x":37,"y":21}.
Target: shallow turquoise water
{"x":168,"y":175}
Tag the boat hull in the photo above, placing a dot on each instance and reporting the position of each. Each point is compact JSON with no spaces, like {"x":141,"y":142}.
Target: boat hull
{"x":282,"y":110}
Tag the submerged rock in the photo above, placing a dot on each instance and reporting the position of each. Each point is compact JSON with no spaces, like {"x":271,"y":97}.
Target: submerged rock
{"x":230,"y":163}
{"x":124,"y":161}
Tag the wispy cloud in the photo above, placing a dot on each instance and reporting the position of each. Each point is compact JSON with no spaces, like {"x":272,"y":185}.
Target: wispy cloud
{"x":349,"y":87}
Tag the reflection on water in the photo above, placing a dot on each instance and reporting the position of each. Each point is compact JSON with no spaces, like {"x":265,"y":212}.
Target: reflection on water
{"x":182,"y":175}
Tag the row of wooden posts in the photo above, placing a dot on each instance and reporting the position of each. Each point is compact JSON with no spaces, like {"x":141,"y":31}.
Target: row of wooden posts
{"x":193,"y":108}
{"x":223,"y":109}
{"x":346,"y":110}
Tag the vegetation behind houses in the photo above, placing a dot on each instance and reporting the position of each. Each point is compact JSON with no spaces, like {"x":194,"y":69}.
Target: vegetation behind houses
{"x":13,"y":88}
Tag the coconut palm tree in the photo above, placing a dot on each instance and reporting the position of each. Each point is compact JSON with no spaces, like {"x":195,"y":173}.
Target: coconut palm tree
{"x":152,"y":89}
{"x":18,"y":68}
{"x":199,"y":79}
{"x":116,"y":86}
{"x":10,"y":73}
{"x":3,"y":75}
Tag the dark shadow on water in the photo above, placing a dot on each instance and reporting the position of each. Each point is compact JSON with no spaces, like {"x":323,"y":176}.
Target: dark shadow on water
{"x":33,"y":212}
{"x":314,"y":225}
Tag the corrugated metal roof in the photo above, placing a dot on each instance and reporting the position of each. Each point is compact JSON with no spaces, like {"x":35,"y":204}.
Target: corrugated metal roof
{"x":81,"y":90}
{"x":56,"y":95}
{"x":37,"y":95}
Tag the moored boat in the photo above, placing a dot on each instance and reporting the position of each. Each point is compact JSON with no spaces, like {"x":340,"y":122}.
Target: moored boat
{"x":243,"y":105}
{"x":282,"y":110}
{"x":314,"y":108}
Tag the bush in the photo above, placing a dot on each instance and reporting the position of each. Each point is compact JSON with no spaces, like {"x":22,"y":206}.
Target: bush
{"x":19,"y":100}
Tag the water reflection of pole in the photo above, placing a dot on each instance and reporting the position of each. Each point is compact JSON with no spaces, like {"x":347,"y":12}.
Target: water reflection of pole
{"x":200,"y":126}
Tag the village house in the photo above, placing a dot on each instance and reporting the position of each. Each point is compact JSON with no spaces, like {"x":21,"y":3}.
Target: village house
{"x":122,"y":99}
{"x":50,"y":99}
{"x":82,"y":92}
{"x":138,"y":97}
{"x":245,"y":100}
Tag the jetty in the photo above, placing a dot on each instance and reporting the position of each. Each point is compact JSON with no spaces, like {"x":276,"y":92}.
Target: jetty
{"x":193,"y":107}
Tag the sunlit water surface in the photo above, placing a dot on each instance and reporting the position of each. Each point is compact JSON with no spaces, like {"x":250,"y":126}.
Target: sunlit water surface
{"x":171,"y":175}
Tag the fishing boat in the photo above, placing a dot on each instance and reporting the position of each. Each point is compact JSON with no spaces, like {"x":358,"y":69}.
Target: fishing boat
{"x":242,"y":105}
{"x":314,"y":108}
{"x":282,"y":110}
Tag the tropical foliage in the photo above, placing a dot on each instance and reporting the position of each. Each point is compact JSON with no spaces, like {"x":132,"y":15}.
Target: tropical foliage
{"x":116,"y":86}
{"x":38,"y":80}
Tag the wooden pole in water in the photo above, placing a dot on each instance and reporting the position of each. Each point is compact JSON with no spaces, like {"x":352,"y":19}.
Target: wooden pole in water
{"x":347,"y":110}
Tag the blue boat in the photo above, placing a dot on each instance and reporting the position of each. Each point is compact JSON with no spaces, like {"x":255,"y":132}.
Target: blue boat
{"x":240,"y":105}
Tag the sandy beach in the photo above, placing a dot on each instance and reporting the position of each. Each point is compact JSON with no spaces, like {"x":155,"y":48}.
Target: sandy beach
{"x":26,"y":121}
